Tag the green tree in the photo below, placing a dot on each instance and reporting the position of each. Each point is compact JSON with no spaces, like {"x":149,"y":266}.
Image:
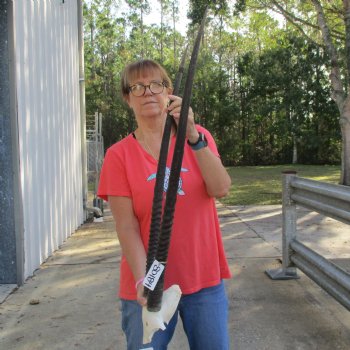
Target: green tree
{"x":328,"y":24}
{"x":139,"y":9}
{"x":104,"y":58}
{"x":260,"y":87}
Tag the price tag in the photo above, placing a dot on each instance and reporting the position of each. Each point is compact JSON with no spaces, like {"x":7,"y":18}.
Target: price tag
{"x":153,"y":275}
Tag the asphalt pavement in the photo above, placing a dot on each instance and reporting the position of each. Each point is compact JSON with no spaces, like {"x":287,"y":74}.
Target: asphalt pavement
{"x":71,"y":300}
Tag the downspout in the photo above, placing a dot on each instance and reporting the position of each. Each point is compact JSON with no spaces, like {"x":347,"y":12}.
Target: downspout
{"x":82,"y":106}
{"x":17,"y":187}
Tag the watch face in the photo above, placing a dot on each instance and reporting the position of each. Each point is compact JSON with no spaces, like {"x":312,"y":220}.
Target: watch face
{"x":203,"y":138}
{"x":200,"y":143}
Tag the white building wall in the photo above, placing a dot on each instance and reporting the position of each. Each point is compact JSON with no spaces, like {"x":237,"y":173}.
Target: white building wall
{"x":47,"y":69}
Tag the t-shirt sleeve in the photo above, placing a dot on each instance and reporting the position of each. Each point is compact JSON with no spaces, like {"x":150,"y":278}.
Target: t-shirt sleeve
{"x":113,"y":178}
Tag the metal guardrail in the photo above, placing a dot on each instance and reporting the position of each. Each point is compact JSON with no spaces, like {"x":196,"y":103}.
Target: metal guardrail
{"x":330,"y":200}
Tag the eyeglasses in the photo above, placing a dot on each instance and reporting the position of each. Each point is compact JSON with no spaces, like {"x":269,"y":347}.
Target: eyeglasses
{"x":139,"y":90}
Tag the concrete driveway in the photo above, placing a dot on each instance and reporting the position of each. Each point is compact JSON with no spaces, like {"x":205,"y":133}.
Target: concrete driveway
{"x":71,"y":303}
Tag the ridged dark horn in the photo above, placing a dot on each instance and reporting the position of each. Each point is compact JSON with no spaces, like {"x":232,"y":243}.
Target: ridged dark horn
{"x":158,"y":188}
{"x":154,"y":299}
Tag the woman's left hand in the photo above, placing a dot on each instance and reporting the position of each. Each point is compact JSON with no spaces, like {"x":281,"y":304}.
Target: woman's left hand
{"x":174,"y":110}
{"x":216,"y":178}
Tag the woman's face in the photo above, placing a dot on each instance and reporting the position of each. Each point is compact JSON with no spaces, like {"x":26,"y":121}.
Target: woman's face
{"x":149,"y":105}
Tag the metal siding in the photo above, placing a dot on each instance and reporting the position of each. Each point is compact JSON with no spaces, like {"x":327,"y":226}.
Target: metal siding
{"x":49,"y":124}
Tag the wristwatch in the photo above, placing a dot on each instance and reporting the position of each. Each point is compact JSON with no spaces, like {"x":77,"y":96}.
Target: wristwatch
{"x":200,"y":143}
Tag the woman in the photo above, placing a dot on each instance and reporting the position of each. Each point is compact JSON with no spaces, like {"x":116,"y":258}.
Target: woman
{"x":196,"y":260}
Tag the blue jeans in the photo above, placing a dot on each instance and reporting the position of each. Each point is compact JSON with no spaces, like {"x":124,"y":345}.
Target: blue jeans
{"x":204,"y":316}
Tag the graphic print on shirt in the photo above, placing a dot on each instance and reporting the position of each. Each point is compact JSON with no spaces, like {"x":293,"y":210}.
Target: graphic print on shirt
{"x":166,"y":180}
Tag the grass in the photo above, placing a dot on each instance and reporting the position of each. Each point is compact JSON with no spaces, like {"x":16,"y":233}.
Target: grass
{"x":262,"y":185}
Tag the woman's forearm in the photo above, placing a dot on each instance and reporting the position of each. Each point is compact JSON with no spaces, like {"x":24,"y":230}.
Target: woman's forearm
{"x":215,"y":176}
{"x":129,"y":236}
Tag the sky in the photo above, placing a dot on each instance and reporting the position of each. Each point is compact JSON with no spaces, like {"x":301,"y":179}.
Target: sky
{"x":154,"y":17}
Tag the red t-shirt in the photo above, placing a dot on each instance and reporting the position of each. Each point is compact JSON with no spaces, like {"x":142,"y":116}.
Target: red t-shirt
{"x":196,"y":257}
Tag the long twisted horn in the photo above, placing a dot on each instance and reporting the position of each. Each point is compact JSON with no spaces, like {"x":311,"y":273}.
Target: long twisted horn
{"x":155,"y":297}
{"x":158,"y":189}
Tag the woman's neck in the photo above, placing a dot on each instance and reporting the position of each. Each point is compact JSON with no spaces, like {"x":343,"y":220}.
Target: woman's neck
{"x":153,"y":131}
{"x":150,"y":138}
{"x":150,"y":129}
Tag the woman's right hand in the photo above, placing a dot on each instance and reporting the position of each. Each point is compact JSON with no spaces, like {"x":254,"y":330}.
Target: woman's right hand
{"x":140,"y":297}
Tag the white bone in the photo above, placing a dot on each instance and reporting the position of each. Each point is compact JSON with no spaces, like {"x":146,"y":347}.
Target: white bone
{"x":152,"y":321}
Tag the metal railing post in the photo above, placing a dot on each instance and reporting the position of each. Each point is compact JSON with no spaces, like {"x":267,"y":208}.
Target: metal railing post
{"x":288,"y":270}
